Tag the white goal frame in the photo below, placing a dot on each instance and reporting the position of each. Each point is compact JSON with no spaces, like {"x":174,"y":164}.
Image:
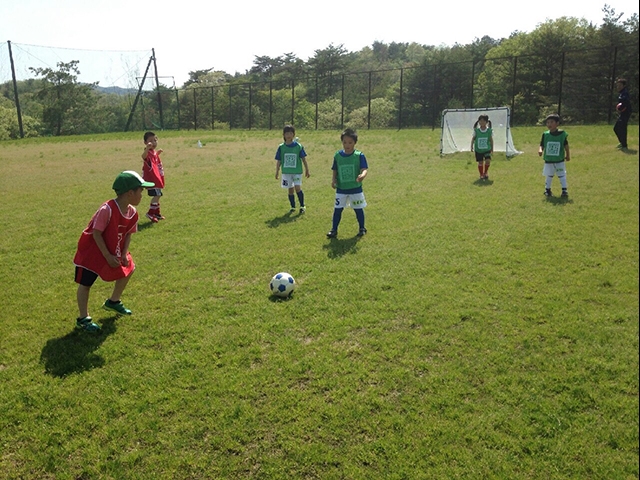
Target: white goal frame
{"x":457,"y":130}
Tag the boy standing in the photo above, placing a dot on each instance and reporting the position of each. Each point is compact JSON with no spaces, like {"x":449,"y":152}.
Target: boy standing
{"x":152,"y":171}
{"x":290,"y":157}
{"x":103,"y":248}
{"x":555,"y":146}
{"x":349,"y":170}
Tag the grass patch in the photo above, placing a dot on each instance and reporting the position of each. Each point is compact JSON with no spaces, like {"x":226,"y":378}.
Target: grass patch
{"x":479,"y":330}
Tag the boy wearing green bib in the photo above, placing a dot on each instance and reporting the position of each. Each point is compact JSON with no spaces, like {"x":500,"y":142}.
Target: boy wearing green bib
{"x":555,"y":147}
{"x":349,"y":170}
{"x":290,"y":157}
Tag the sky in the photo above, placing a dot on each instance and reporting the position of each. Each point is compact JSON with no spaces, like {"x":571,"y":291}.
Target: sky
{"x":228,"y":35}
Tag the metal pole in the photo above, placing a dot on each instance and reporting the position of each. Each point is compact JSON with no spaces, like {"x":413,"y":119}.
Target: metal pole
{"x":293,"y":95}
{"x":15,"y":91}
{"x":369,"y":104}
{"x":342,"y":104}
{"x":138,"y":96}
{"x":400,"y":100}
{"x":195,"y":110}
{"x":561,"y":80}
{"x":155,"y":68}
{"x":213,"y":123}
{"x":513,"y":87}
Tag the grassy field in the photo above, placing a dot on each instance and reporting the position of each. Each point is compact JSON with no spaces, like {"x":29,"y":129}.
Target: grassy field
{"x":478,"y":331}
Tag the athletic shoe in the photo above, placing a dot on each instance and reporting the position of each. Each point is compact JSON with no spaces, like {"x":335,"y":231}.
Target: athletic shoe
{"x":547,"y":193}
{"x":486,"y":177}
{"x":153,"y":218}
{"x":292,"y":210}
{"x":117,"y":307}
{"x":303,"y":209}
{"x":362,"y":231}
{"x":159,"y":217}
{"x":87,"y":324}
{"x":332,"y":234}
{"x":565,"y":193}
{"x":619,"y":146}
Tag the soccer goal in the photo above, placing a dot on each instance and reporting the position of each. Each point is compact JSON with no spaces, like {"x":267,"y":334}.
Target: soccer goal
{"x":457,"y":130}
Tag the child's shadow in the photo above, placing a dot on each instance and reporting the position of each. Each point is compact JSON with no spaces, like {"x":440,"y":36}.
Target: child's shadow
{"x":277,"y":221}
{"x":558,"y":201}
{"x":339,"y":247}
{"x":75,"y":352}
{"x":483,"y":183}
{"x":144,"y":225}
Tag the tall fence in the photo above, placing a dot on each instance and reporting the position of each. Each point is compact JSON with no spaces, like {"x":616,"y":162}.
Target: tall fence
{"x":579,"y":85}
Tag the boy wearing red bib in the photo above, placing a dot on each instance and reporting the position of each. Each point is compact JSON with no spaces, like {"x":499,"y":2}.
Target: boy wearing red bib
{"x":153,"y":171}
{"x":103,"y":248}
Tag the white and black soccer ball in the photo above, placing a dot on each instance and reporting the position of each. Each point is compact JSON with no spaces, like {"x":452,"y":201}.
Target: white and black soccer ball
{"x":282,"y":284}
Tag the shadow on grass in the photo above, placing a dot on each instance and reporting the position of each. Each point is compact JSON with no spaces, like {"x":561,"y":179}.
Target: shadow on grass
{"x":483,"y":183}
{"x":76,"y":351}
{"x":286,"y":218}
{"x":629,"y":151}
{"x":144,"y":225}
{"x":276,"y":299}
{"x":558,"y":201}
{"x":338,"y":247}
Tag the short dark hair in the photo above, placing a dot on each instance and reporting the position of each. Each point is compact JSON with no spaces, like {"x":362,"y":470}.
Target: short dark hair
{"x":553,"y":116}
{"x":623,"y":81}
{"x":349,"y":132}
{"x":288,"y":128}
{"x":147,"y":135}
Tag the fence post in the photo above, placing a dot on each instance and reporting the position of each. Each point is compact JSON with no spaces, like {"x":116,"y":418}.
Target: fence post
{"x":15,"y":92}
{"x":250,"y":99}
{"x":342,"y":105}
{"x":178,"y":107}
{"x":195,"y":110}
{"x":561,"y":81}
{"x":270,"y":104}
{"x":369,"y":104}
{"x":155,"y":68}
{"x":400,"y":100}
{"x":513,"y":87}
{"x":293,"y":94}
{"x":213,"y":122}
{"x":614,"y":67}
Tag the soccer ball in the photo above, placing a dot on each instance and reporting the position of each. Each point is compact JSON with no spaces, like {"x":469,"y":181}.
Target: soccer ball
{"x":282,"y":284}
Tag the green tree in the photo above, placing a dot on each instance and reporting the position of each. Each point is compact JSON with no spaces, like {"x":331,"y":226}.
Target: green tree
{"x":66,"y":103}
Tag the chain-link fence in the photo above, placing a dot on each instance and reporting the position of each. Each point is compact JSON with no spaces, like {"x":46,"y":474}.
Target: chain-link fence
{"x":579,"y":85}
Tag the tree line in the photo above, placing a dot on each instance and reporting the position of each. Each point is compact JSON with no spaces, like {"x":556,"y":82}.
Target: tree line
{"x":567,"y":65}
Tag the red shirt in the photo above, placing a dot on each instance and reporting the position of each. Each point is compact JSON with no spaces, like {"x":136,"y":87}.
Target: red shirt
{"x":152,"y":170}
{"x":114,"y":226}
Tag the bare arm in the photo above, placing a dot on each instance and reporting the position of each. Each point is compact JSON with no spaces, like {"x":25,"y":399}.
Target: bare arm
{"x":306,"y":167}
{"x":277,"y":168}
{"x":334,"y":176}
{"x":111,"y":259}
{"x":125,"y":249}
{"x":363,"y":174}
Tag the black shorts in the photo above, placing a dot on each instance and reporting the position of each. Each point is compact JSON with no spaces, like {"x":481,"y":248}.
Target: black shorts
{"x":85,"y":277}
{"x":154,"y":192}
{"x":481,"y":157}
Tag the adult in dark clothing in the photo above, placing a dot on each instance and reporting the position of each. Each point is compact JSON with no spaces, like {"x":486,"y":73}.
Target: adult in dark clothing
{"x":623,"y":108}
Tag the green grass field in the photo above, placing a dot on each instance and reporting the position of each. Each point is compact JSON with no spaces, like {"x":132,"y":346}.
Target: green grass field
{"x":478,"y":331}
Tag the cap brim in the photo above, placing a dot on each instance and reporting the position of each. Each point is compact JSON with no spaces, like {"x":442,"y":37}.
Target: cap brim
{"x":148,"y":184}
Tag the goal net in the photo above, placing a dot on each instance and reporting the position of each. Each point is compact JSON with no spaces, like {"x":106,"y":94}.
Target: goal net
{"x":457,"y":130}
